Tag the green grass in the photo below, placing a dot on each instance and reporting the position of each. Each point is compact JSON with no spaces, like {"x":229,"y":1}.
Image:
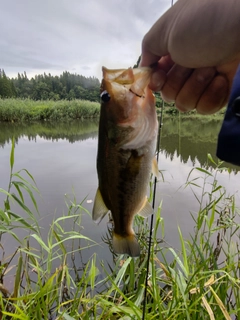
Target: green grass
{"x":198,"y":281}
{"x":22,"y":110}
{"x":18,"y":110}
{"x":172,"y":111}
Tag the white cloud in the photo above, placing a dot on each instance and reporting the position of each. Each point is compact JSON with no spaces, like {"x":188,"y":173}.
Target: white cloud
{"x":78,"y":36}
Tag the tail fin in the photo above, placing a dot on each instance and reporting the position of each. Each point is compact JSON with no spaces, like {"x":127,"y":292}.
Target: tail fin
{"x":128,"y":244}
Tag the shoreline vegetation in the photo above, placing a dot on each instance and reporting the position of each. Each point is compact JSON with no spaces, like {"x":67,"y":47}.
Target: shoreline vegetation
{"x":200,"y":280}
{"x":65,"y":97}
{"x":20,"y":110}
{"x":28,"y":110}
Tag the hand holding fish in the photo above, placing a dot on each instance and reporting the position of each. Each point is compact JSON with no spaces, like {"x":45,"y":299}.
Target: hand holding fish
{"x":195,"y":46}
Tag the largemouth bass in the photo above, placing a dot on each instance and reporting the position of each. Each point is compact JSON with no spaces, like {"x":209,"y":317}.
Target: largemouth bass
{"x":126,"y":149}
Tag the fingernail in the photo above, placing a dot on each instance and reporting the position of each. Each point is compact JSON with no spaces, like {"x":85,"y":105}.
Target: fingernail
{"x":157,"y":80}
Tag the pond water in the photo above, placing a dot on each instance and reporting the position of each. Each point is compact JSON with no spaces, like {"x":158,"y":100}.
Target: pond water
{"x":62,"y":159}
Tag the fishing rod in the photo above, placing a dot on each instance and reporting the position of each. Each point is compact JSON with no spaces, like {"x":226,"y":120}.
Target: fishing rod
{"x":152,"y":216}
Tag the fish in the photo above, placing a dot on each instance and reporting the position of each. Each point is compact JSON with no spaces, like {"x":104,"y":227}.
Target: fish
{"x":128,"y":129}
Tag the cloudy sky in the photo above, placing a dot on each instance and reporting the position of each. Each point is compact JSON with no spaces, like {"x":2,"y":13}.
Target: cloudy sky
{"x":75,"y":35}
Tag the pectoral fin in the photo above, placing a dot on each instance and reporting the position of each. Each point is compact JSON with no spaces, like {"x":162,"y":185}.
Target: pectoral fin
{"x":155,"y":170}
{"x":99,"y":208}
{"x":146,"y":209}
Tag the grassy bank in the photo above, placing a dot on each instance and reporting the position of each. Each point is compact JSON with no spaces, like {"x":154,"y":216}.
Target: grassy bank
{"x":22,"y":110}
{"x":173,"y":112}
{"x":200,"y":281}
{"x":18,"y":110}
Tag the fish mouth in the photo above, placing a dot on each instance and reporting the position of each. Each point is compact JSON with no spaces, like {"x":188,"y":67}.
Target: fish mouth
{"x":135,"y":79}
{"x":136,"y":94}
{"x":130,"y":111}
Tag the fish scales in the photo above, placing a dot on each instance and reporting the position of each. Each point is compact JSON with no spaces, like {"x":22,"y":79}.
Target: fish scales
{"x":126,"y":148}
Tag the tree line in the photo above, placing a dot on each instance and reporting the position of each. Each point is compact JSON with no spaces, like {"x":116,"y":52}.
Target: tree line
{"x":46,"y":86}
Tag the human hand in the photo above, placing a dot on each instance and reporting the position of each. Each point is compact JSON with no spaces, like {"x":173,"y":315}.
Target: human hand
{"x":196,"y":51}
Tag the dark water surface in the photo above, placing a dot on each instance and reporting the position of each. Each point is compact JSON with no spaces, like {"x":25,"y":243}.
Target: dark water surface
{"x":62,"y":156}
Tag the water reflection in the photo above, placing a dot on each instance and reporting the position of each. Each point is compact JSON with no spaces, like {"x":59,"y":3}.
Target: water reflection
{"x":60,"y":168}
{"x":188,"y":139}
{"x":191,"y":140}
{"x":70,"y":131}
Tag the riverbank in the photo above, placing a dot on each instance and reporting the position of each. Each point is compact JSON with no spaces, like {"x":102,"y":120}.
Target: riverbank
{"x":19,"y":110}
{"x":173,"y":112}
{"x":27,"y":110}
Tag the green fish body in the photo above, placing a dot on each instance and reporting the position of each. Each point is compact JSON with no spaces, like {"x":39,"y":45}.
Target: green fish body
{"x":126,"y":149}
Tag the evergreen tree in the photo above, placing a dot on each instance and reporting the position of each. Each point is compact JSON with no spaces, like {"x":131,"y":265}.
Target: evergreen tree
{"x":137,"y":63}
{"x":7,"y":88}
{"x":66,"y":86}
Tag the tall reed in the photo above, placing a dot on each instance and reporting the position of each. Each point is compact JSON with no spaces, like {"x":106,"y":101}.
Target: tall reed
{"x":15,"y":110}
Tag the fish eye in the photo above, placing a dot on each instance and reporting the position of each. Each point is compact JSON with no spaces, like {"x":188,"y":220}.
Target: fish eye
{"x":105,"y":96}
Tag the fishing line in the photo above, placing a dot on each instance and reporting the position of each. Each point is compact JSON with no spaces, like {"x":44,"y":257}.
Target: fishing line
{"x":153,"y":205}
{"x":152,"y":216}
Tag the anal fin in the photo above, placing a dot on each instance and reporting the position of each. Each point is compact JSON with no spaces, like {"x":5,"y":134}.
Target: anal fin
{"x":99,"y":208}
{"x":155,"y":170}
{"x":146,"y":209}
